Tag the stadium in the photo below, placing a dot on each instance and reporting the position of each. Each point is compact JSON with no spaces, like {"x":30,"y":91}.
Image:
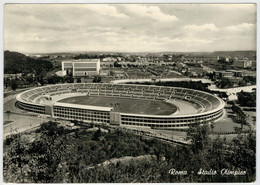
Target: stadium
{"x":124,"y":104}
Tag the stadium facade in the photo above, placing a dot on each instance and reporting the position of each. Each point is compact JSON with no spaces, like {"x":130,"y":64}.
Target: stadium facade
{"x":82,"y":67}
{"x":44,"y":100}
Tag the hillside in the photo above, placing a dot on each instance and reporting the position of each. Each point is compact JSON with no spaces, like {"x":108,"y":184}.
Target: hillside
{"x":15,"y":62}
{"x":248,"y":54}
{"x":53,"y":153}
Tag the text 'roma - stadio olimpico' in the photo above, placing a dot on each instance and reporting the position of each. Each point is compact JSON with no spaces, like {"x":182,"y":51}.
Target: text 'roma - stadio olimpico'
{"x":44,"y":100}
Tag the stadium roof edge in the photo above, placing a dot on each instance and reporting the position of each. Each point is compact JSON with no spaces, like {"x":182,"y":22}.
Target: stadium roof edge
{"x":79,"y":106}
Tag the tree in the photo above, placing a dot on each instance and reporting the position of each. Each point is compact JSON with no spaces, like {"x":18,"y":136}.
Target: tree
{"x":41,"y":80}
{"x":240,"y":115}
{"x":224,"y":83}
{"x":97,"y":134}
{"x":247,"y":98}
{"x":78,"y":80}
{"x":242,"y":83}
{"x":69,"y":79}
{"x":249,"y":79}
{"x":6,"y":82}
{"x":29,"y":79}
{"x":54,"y":79}
{"x":51,"y":128}
{"x":237,"y":130}
{"x":198,"y":136}
{"x":222,"y":94}
{"x":243,"y":154}
{"x":8,"y":114}
{"x":14,"y":85}
{"x":116,"y":64}
{"x":97,"y":79}
{"x":15,"y":62}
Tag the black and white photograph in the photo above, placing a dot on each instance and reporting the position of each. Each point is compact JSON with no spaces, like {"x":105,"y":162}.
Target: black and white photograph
{"x":129,"y":92}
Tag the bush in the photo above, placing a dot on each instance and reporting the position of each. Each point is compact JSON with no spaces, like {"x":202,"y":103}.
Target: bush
{"x":51,"y":128}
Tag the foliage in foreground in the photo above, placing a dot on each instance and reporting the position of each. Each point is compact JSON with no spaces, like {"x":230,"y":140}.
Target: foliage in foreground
{"x":247,"y":98}
{"x":60,"y":155}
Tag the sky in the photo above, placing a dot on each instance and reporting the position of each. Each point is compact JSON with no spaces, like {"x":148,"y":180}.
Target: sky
{"x":46,"y":28}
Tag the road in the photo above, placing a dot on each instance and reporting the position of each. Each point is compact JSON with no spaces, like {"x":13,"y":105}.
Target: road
{"x":20,"y":123}
{"x":20,"y":120}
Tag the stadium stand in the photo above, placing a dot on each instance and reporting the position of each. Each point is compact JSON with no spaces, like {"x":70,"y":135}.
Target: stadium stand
{"x":209,"y":107}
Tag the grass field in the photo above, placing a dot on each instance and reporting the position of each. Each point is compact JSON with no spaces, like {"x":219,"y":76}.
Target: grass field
{"x":137,"y":106}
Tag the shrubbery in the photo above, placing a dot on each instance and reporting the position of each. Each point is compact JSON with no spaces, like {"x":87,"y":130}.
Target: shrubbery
{"x":51,"y":128}
{"x":185,"y":84}
{"x":247,"y":98}
{"x":55,"y":156}
{"x":15,"y":62}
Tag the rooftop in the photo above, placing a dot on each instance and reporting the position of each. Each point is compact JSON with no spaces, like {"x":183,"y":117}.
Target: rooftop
{"x":81,"y":60}
{"x":87,"y":107}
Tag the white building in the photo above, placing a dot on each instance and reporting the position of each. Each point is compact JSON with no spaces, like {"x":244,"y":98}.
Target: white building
{"x":83,"y":67}
{"x":243,"y":63}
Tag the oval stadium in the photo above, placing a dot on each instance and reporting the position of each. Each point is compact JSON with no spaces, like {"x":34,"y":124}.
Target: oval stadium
{"x":124,"y":104}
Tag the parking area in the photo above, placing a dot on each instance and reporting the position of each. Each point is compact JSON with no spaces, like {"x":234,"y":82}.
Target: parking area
{"x":20,"y":123}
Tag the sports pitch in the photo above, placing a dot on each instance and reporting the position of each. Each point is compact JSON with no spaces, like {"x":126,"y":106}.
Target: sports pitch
{"x":126,"y":105}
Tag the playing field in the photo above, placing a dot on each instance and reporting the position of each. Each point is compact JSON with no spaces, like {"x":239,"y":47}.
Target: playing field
{"x":136,"y":106}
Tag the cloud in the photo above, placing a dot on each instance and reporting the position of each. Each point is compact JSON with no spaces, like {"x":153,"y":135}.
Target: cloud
{"x":192,"y":40}
{"x":128,"y":27}
{"x":153,"y":12}
{"x":106,"y":10}
{"x":198,"y":28}
{"x":241,"y":27}
{"x":234,"y":6}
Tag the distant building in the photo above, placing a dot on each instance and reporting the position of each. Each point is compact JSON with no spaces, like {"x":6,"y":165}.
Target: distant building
{"x":13,"y":76}
{"x":223,"y":74}
{"x":227,"y":74}
{"x":104,"y":73}
{"x":235,"y":58}
{"x":249,"y":73}
{"x":242,"y":63}
{"x":242,"y":73}
{"x":119,"y":73}
{"x":237,"y":73}
{"x":83,"y":67}
{"x":110,"y":59}
{"x":207,"y":69}
{"x":194,"y":74}
{"x":180,"y":65}
{"x":106,"y":63}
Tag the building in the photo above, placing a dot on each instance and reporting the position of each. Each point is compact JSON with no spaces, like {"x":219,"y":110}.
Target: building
{"x":242,"y":63}
{"x":227,"y":74}
{"x":106,"y":63}
{"x":119,"y":73}
{"x":207,"y":69}
{"x":104,"y":73}
{"x":180,"y":65}
{"x":249,"y":73}
{"x":237,"y":73}
{"x":223,"y":74}
{"x":194,"y":74}
{"x":12,"y":76}
{"x":209,"y":107}
{"x":226,"y":59}
{"x":110,"y":59}
{"x":83,"y":67}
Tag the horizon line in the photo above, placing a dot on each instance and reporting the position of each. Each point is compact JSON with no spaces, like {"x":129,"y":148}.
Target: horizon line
{"x":130,"y":51}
